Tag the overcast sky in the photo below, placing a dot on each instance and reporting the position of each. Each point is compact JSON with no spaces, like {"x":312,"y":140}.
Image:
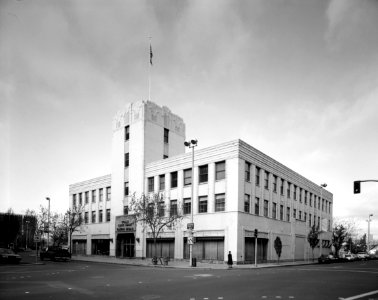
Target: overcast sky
{"x":297,"y":80}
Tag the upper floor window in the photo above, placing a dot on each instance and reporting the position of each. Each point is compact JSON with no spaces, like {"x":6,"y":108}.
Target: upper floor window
{"x":202,"y":204}
{"x":187,"y":206}
{"x":188,"y":177}
{"x":257,"y":206}
{"x":220,"y":202}
{"x":86,"y":217}
{"x":257,"y":176}
{"x":294,"y":213}
{"x":274,"y":210}
{"x":220,"y":170}
{"x":126,"y":188}
{"x":93,"y":196}
{"x":300,"y":195}
{"x":266,"y":207}
{"x":127,"y":133}
{"x":162,"y":182}
{"x":173,"y":208}
{"x":288,"y":189}
{"x":174,"y":179}
{"x":150,"y":182}
{"x":108,"y":215}
{"x":305,"y":202}
{"x":86,"y":197}
{"x":161,"y":209}
{"x":282,"y":186}
{"x":166,"y":135}
{"x":295,"y":192}
{"x":311,"y":199}
{"x":266,"y":184}
{"x":275,"y":183}
{"x":203,"y":174}
{"x":93,"y":216}
{"x":74,"y":200}
{"x":288,"y":214}
{"x":108,"y":193}
{"x":247,"y":199}
{"x":100,"y":216}
{"x":81,"y":199}
{"x":101,"y":197}
{"x":127,"y":162}
{"x":126,"y":210}
{"x":247,"y":168}
{"x":281,"y":212}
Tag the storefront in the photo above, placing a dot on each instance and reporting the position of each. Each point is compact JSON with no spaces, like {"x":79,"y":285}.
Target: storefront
{"x":164,"y":247}
{"x":79,"y":245}
{"x":100,"y":244}
{"x":125,"y":232}
{"x":206,"y":248}
{"x":262,"y":247}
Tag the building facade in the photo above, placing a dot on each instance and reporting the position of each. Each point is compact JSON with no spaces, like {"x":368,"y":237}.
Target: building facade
{"x":236,"y":189}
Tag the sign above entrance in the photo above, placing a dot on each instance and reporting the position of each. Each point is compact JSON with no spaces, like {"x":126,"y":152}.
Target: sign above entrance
{"x":125,"y":224}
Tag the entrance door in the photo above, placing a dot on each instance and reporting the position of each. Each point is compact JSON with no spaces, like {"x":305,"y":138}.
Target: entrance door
{"x":125,"y":245}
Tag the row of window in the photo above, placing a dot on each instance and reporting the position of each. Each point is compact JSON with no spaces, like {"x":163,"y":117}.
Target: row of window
{"x":92,"y":196}
{"x":280,"y":210}
{"x":203,"y":176}
{"x":94,"y":216}
{"x":308,"y":197}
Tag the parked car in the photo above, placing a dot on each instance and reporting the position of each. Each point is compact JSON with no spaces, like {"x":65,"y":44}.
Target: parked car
{"x":8,"y":256}
{"x":326,"y":259}
{"x":350,"y":257}
{"x":363,"y":256}
{"x":55,"y":253}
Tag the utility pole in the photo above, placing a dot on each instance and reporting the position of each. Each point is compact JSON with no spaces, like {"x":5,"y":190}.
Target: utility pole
{"x":368,"y":237}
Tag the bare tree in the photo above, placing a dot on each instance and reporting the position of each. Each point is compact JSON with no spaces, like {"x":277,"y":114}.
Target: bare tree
{"x":313,"y":238}
{"x":72,"y":221}
{"x":278,"y":247}
{"x":151,"y":211}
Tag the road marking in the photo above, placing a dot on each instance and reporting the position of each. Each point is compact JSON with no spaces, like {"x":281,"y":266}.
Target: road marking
{"x":360,"y":296}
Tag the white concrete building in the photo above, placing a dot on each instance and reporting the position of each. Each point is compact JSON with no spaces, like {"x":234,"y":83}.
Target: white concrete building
{"x":237,"y":189}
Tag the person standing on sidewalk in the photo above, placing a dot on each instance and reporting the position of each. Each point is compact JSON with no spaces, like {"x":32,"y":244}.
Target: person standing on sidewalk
{"x":229,"y":260}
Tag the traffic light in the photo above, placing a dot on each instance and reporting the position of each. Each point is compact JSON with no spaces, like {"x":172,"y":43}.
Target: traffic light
{"x":256,"y":233}
{"x":357,"y":187}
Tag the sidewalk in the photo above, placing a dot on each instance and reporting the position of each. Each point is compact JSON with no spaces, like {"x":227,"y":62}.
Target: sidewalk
{"x":181,"y":264}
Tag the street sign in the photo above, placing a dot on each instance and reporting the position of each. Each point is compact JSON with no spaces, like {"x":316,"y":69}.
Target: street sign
{"x":190,"y":226}
{"x":190,"y":240}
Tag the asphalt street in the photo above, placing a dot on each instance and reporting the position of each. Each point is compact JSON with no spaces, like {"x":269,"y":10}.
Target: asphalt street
{"x":82,"y":280}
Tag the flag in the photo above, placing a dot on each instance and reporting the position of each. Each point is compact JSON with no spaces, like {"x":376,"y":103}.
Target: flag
{"x":151,"y":55}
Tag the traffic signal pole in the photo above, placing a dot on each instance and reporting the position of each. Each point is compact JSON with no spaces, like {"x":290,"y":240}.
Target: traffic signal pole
{"x":357,"y":185}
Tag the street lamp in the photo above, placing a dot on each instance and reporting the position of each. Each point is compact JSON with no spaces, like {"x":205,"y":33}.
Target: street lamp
{"x":48,"y":223}
{"x":322,"y":185}
{"x":27,"y":231}
{"x":191,"y":144}
{"x":368,"y":237}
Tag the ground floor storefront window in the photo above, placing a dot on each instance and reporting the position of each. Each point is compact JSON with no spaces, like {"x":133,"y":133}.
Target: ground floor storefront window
{"x":125,"y":245}
{"x":100,"y":246}
{"x":262,"y":250}
{"x":165,"y":247}
{"x":79,"y":247}
{"x":206,"y":248}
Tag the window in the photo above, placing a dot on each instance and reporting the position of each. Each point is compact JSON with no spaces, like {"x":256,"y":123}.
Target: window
{"x":275,"y":183}
{"x":93,"y":216}
{"x":86,"y":197}
{"x":174,"y":180}
{"x":187,"y":206}
{"x":220,"y":202}
{"x":80,"y":199}
{"x":288,"y":189}
{"x":150,"y":211}
{"x":305,"y":217}
{"x":202,"y":205}
{"x":188,"y":177}
{"x":305,"y":202}
{"x":281,"y":212}
{"x":127,"y":133}
{"x":266,"y":184}
{"x":101,"y":197}
{"x":274,"y":210}
{"x":166,"y":135}
{"x":300,"y":215}
{"x":257,"y":206}
{"x":282,"y":186}
{"x":127,"y":160}
{"x":86,"y":217}
{"x":288,"y":214}
{"x":203,"y":174}
{"x":108,"y":193}
{"x":126,"y":210}
{"x":257,"y":176}
{"x":295,"y":193}
{"x":161,"y":209}
{"x":108,"y":215}
{"x":309,"y":219}
{"x":294,"y":213}
{"x":100,"y":216}
{"x":318,"y":221}
{"x":126,"y":188}
{"x":247,"y":168}
{"x":319,"y":203}
{"x":300,"y":195}
{"x":94,"y":196}
{"x":311,"y":199}
{"x":220,"y":170}
{"x":162,"y":182}
{"x":74,"y":200}
{"x":322,"y":204}
{"x":266,"y":205}
{"x":173,"y":208}
{"x":247,"y":199}
{"x":150,"y":184}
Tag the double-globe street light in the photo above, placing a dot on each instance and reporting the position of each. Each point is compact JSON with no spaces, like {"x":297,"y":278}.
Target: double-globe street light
{"x":191,"y":144}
